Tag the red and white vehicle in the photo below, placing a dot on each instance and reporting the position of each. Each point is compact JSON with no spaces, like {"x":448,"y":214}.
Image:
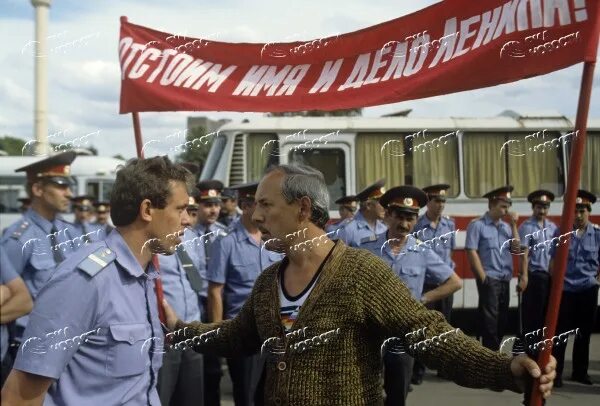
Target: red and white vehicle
{"x":473,"y":155}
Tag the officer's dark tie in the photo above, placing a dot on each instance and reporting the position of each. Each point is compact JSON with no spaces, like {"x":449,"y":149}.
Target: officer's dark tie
{"x":56,"y":252}
{"x":190,"y":270}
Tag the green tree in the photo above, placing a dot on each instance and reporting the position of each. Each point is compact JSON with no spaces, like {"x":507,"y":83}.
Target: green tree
{"x":12,"y":145}
{"x":319,"y":113}
{"x":198,"y":145}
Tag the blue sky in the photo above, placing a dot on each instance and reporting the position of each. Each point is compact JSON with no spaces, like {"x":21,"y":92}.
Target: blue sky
{"x":84,"y":79}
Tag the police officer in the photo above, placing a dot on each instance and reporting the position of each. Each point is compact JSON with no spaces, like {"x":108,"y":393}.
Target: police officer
{"x":82,"y":227}
{"x":229,"y":207}
{"x":534,"y":276}
{"x":346,"y":208}
{"x":40,"y":240}
{"x":579,"y":301}
{"x":490,"y":242}
{"x":181,"y":377}
{"x":440,"y":231}
{"x":236,"y":261}
{"x":414,"y":262}
{"x":192,"y":210}
{"x":102,"y":214}
{"x":367,"y":223}
{"x":15,"y":301}
{"x":207,"y":229}
{"x":94,"y":336}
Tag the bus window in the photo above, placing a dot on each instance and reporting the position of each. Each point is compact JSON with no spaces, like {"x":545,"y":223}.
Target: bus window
{"x":435,"y":161}
{"x":590,"y":171}
{"x":331,"y":162}
{"x":525,"y":162}
{"x":537,"y":163}
{"x":93,"y":189}
{"x":372,"y":164}
{"x":214,"y":155}
{"x":11,"y":188}
{"x":99,"y":189}
{"x":262,"y":150}
{"x":485,"y":168}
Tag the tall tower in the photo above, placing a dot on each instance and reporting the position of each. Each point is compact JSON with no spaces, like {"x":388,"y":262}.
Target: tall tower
{"x":40,"y":112}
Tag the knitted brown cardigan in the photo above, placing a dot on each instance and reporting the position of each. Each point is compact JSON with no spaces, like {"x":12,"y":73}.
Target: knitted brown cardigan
{"x":358,"y":294}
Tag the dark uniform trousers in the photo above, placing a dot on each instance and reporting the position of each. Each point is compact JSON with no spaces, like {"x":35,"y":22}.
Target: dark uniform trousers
{"x":180,"y":379}
{"x":443,"y":306}
{"x":396,"y":377}
{"x":493,"y":311}
{"x":535,"y":301}
{"x":577,"y":310}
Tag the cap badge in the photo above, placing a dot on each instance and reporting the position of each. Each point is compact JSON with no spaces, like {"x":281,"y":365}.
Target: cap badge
{"x":543,"y":198}
{"x":408,"y":201}
{"x":442,"y":192}
{"x":212,"y":193}
{"x":579,"y":200}
{"x":508,"y":195}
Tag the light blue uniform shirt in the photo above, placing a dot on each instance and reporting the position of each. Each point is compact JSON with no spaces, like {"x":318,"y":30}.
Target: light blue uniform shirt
{"x":236,"y":261}
{"x":7,"y":274}
{"x":27,"y":243}
{"x":493,"y":246}
{"x":415,"y":264}
{"x":332,"y":228}
{"x":442,"y":238}
{"x":358,"y":230}
{"x":204,"y":238}
{"x":176,"y":285}
{"x":537,"y":240}
{"x":95,"y":329}
{"x":584,"y":259}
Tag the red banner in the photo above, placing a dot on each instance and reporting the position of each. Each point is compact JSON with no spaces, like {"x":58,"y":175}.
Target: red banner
{"x":449,"y":47}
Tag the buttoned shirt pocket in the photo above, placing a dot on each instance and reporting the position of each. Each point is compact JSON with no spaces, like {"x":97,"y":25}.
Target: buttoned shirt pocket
{"x":127,"y":354}
{"x":412,"y":276}
{"x":489,"y":241}
{"x":246,"y":269}
{"x":42,"y":267}
{"x":590,"y":250}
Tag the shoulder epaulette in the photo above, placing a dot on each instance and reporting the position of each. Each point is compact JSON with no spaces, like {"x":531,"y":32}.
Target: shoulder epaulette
{"x":596,"y":226}
{"x":97,"y":261}
{"x":370,"y":238}
{"x":20,"y":229}
{"x":449,"y":218}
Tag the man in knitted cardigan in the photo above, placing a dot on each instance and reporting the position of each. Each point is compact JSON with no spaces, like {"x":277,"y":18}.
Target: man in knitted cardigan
{"x":331,"y":356}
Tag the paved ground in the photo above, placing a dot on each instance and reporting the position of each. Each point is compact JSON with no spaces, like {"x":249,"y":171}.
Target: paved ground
{"x":435,"y":391}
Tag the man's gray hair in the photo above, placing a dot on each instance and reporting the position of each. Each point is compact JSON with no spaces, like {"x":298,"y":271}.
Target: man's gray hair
{"x":302,"y":180}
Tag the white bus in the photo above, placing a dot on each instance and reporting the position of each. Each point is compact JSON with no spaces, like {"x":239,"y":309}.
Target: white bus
{"x":473,"y":155}
{"x":93,"y":175}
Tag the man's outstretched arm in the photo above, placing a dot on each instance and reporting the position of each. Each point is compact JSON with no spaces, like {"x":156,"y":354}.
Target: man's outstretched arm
{"x":234,"y":337}
{"x":389,"y":307}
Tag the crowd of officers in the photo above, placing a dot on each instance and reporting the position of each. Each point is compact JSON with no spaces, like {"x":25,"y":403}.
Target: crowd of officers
{"x":222,"y":254}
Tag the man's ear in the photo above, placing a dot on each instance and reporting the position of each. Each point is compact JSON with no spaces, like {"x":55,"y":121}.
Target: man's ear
{"x":37,"y":189}
{"x":146,"y":210}
{"x":305,"y":208}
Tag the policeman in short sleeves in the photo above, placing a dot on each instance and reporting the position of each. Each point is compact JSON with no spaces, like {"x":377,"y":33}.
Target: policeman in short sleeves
{"x":367,"y":223}
{"x":38,"y":242}
{"x":490,"y":239}
{"x":95,"y":329}
{"x":84,"y":231}
{"x":415,"y":263}
{"x":181,"y":378}
{"x":579,"y":303}
{"x":534,"y":278}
